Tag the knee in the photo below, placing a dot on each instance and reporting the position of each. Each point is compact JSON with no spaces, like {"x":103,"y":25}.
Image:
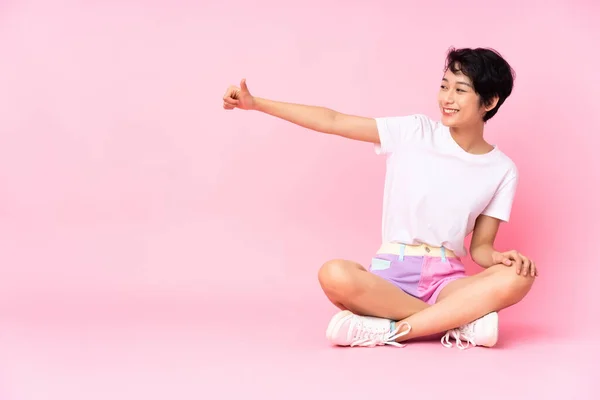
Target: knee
{"x":512,"y":286}
{"x":337,"y":277}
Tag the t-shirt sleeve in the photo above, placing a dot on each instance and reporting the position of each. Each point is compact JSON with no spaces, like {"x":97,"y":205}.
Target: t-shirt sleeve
{"x":501,"y":204}
{"x":394,"y":131}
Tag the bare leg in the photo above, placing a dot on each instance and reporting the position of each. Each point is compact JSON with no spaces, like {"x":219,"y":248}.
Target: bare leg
{"x":350,"y":286}
{"x":468,"y":299}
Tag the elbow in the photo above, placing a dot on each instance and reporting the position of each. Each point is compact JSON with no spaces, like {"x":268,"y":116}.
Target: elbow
{"x":474,"y":257}
{"x":481,"y":254}
{"x":479,"y":261}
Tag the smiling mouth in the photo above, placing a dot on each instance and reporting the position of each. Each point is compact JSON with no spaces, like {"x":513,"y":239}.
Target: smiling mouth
{"x":449,"y":110}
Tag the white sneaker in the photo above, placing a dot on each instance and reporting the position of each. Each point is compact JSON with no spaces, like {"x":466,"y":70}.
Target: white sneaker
{"x":348,"y":329}
{"x":481,"y":332}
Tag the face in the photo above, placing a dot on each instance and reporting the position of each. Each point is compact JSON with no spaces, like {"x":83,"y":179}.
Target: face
{"x":458,"y":102}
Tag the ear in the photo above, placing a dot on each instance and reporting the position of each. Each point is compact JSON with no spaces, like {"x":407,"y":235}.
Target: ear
{"x":492,"y":103}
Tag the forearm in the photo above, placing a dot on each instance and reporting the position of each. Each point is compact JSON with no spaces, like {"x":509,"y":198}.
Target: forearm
{"x":316,"y":118}
{"x":482,"y":255}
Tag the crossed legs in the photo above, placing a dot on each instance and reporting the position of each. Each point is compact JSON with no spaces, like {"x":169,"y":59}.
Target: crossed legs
{"x":351,"y":287}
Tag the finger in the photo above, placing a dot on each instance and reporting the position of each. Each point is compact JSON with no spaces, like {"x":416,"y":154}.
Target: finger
{"x":231,"y":101}
{"x":231,"y":94}
{"x":228,"y":92}
{"x":526,"y":266}
{"x":243,"y":85}
{"x":518,"y":262}
{"x":500,"y":258}
{"x":527,"y":262}
{"x":533,"y":269}
{"x":504,"y":261}
{"x":530,"y":267}
{"x":523,"y":270}
{"x":228,"y":106}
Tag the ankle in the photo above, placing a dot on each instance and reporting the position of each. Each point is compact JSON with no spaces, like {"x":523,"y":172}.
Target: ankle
{"x":404,"y":330}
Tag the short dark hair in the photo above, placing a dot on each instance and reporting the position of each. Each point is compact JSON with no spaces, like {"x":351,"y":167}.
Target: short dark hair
{"x":490,"y":73}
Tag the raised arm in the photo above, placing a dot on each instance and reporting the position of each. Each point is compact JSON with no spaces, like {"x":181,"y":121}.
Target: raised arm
{"x":320,"y":119}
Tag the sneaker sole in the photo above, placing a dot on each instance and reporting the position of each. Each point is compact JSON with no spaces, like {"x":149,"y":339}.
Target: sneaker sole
{"x":492,"y":320}
{"x":332,"y":327}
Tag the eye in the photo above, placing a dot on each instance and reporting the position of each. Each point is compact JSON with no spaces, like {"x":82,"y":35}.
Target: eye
{"x":460,"y":90}
{"x":443,"y":87}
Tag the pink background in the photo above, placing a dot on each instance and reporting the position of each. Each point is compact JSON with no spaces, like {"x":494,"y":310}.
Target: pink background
{"x":153,"y":245}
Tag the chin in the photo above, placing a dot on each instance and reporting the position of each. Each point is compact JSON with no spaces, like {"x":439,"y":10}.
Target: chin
{"x":448,"y":121}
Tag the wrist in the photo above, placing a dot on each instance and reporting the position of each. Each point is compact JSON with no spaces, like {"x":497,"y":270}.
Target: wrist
{"x":258,"y":104}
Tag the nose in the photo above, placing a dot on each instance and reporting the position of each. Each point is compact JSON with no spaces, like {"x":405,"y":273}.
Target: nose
{"x":448,"y":97}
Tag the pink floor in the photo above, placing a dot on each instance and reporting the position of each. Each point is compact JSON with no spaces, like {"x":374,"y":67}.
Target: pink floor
{"x":117,"y":313}
{"x":165,"y":349}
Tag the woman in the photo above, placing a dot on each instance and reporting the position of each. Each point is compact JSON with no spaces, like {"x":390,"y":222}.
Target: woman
{"x":443,"y":181}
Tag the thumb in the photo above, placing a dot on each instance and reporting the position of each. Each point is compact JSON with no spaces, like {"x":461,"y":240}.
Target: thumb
{"x":501,"y":258}
{"x":243,"y":85}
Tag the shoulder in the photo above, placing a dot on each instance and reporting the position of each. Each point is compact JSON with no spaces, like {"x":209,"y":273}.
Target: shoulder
{"x":416,"y":120}
{"x":408,"y":124}
{"x":427,"y":123}
{"x":511,"y":171}
{"x":397,"y":131}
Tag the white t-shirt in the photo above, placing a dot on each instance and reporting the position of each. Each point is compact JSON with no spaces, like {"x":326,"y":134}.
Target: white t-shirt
{"x":434,"y":190}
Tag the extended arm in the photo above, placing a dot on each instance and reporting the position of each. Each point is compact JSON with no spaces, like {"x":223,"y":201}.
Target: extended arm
{"x":320,"y":119}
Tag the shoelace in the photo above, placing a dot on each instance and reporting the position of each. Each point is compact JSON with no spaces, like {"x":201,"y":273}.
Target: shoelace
{"x":370,"y":336}
{"x":466,"y":332}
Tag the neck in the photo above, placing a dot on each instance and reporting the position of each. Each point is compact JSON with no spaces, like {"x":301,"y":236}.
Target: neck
{"x":470,"y":138}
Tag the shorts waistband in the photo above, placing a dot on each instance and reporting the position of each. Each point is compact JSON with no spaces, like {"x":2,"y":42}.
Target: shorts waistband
{"x":415,"y":250}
